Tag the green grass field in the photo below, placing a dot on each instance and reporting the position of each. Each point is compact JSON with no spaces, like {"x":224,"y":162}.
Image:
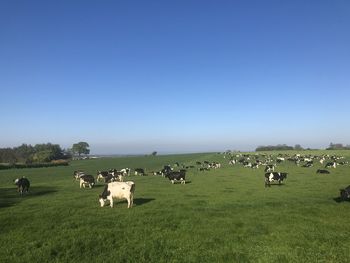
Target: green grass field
{"x":224,"y":215}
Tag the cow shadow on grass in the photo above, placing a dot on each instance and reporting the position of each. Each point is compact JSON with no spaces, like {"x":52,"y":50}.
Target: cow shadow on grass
{"x":142,"y":201}
{"x":10,"y":196}
{"x":178,"y":182}
{"x":269,"y":185}
{"x":99,"y":185}
{"x":137,"y":201}
{"x":339,"y":199}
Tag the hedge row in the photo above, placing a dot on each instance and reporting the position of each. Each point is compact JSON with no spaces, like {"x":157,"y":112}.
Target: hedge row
{"x":32,"y":165}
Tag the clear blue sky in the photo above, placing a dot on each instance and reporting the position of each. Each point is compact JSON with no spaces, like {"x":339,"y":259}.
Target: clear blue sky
{"x":174,"y":76}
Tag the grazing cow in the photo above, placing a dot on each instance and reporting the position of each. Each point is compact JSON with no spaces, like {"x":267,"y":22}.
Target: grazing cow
{"x":247,"y":164}
{"x":320,"y":171}
{"x":274,"y":176}
{"x":345,"y":193}
{"x":198,"y":163}
{"x":269,"y":168}
{"x":214,"y":165}
{"x":116,"y":175}
{"x":167,"y":169}
{"x":139,"y":171}
{"x":87,"y":180}
{"x":125,"y":171}
{"x":331,"y":164}
{"x":118,"y":190}
{"x":102,"y":175}
{"x":280,"y":159}
{"x":22,"y":185}
{"x":232,"y":162}
{"x":77,"y":174}
{"x":308,"y":164}
{"x":255,"y":165}
{"x":175,"y":176}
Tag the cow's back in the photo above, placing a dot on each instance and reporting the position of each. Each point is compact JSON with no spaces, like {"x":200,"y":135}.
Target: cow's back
{"x":121,"y":189}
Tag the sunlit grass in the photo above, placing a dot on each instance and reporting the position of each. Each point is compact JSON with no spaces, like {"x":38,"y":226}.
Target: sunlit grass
{"x":224,"y":215}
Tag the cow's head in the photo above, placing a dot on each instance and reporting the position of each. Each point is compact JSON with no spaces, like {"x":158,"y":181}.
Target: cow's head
{"x":101,"y":200}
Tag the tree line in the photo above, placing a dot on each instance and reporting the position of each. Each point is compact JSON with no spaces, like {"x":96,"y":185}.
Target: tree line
{"x":284,"y":147}
{"x":41,"y":153}
{"x":338,"y":146}
{"x":279,"y":147}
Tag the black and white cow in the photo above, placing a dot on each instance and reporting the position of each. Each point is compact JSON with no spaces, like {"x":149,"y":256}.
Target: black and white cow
{"x":321,"y":171}
{"x":269,"y":168}
{"x":247,"y":164}
{"x":166,"y":169}
{"x":102,"y":175}
{"x":255,"y":165}
{"x":22,"y":185}
{"x":125,"y":171}
{"x":214,"y":165}
{"x":232,"y":162}
{"x":77,"y":174}
{"x":175,"y":176}
{"x":280,"y":159}
{"x":87,"y":180}
{"x":115,"y":176}
{"x":345,"y":193}
{"x":331,"y":164}
{"x":274,"y":176}
{"x":308,"y":164}
{"x":118,"y":190}
{"x":139,"y":171}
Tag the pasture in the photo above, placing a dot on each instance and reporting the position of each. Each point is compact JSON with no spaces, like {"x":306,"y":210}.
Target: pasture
{"x":221,"y":215}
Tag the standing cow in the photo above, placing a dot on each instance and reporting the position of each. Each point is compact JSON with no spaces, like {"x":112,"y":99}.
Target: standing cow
{"x":118,"y":190}
{"x":345,"y":193}
{"x":22,"y":185}
{"x":87,"y":180}
{"x":175,"y":176}
{"x":274,"y":176}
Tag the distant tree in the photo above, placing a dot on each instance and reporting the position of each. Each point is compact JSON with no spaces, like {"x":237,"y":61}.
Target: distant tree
{"x":298,"y":147}
{"x":154,"y":153}
{"x":279,"y":147}
{"x":24,"y":153}
{"x":47,"y":152}
{"x":337,"y":146}
{"x":68,"y":153}
{"x":81,"y":148}
{"x":7,"y":155}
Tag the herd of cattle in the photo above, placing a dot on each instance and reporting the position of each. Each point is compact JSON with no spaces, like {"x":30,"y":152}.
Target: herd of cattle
{"x":117,"y":188}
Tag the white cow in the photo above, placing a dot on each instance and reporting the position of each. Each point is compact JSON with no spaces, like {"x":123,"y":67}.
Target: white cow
{"x":87,"y":180}
{"x":118,"y":190}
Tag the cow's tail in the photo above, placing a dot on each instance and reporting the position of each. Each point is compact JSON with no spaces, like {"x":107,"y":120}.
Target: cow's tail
{"x":132,"y":189}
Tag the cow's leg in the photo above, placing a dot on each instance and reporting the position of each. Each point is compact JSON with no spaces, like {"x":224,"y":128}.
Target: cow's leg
{"x":110,"y":198}
{"x":129,"y":201}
